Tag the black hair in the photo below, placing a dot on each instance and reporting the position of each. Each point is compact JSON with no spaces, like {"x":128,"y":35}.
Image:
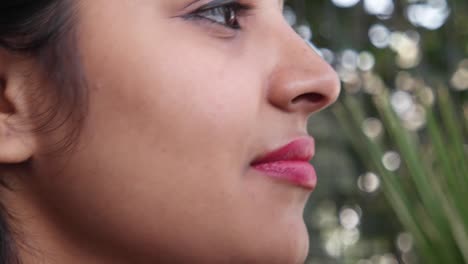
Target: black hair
{"x":43,"y":30}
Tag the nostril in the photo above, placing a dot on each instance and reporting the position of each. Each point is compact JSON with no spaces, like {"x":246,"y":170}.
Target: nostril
{"x":309,"y":98}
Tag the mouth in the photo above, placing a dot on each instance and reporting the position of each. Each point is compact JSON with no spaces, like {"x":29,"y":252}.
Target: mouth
{"x":290,"y":163}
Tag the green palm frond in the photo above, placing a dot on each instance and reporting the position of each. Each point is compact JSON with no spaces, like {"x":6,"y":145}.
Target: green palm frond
{"x":429,"y":191}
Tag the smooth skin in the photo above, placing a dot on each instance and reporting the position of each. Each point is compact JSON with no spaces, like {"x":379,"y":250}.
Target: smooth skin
{"x":178,"y":110}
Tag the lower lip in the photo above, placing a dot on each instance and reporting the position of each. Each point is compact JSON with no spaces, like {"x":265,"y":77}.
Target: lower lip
{"x":300,"y":173}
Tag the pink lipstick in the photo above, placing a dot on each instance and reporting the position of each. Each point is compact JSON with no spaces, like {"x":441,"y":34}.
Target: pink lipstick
{"x":290,"y":163}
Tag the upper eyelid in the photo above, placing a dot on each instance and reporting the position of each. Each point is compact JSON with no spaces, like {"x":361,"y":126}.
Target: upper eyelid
{"x":241,"y":9}
{"x":221,"y":3}
{"x":216,"y":3}
{"x":199,"y":5}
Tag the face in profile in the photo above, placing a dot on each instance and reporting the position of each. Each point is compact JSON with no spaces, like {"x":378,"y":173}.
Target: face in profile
{"x":194,"y":147}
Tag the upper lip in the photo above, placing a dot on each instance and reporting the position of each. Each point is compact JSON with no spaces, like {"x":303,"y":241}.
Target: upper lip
{"x":301,"y":149}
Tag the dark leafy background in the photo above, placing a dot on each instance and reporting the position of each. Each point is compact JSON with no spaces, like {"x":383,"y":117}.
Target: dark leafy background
{"x":376,"y":46}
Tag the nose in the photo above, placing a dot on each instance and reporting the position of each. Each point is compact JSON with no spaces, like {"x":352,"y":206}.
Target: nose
{"x":301,"y":80}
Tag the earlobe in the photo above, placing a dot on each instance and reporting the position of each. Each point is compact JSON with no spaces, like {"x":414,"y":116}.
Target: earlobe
{"x":16,"y":144}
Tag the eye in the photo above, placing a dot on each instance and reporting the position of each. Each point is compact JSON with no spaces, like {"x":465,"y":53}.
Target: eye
{"x":226,"y":15}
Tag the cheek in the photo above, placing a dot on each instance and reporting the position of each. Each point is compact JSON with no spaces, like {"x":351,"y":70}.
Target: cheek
{"x":176,"y":103}
{"x":186,"y":108}
{"x":165,"y":125}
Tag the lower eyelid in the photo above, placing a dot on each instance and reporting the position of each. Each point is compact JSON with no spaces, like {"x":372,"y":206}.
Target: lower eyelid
{"x":214,"y":28}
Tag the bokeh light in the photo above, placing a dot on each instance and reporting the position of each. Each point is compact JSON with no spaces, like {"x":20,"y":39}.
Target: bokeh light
{"x":391,"y":160}
{"x":431,"y":15}
{"x":382,"y":8}
{"x":369,"y":182}
{"x":345,"y":3}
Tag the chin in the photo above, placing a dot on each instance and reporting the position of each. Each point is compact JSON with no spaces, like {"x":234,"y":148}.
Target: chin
{"x":292,"y":247}
{"x":268,"y":243}
{"x":286,"y":245}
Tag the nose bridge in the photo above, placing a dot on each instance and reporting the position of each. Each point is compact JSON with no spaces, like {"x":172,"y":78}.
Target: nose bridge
{"x":292,"y":47}
{"x":301,"y":81}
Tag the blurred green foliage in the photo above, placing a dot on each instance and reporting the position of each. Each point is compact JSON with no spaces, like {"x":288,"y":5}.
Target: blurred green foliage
{"x":392,"y":153}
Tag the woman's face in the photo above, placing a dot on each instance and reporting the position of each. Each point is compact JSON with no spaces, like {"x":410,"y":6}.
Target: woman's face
{"x":179,"y":108}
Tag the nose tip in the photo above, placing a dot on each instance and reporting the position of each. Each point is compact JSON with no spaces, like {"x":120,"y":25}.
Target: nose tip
{"x":302,"y":81}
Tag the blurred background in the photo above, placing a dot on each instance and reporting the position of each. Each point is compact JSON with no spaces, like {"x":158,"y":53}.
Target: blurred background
{"x":392,"y":153}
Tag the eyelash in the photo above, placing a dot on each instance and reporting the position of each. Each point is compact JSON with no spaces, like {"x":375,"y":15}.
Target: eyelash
{"x":228,"y":13}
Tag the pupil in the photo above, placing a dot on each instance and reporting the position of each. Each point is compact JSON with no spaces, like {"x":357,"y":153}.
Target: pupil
{"x":230,"y":16}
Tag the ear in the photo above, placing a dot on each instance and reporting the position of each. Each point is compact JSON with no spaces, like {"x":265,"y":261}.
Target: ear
{"x":16,"y":142}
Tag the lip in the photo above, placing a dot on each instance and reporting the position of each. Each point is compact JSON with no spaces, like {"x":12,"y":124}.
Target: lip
{"x":290,"y":163}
